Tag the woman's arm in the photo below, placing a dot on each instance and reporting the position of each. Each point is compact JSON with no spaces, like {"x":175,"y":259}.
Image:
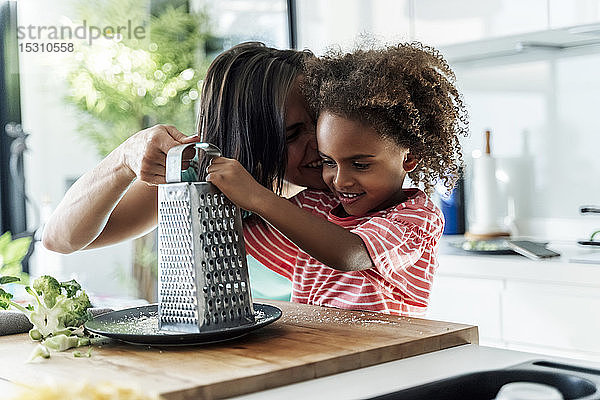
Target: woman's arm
{"x":116,"y":200}
{"x":329,"y":243}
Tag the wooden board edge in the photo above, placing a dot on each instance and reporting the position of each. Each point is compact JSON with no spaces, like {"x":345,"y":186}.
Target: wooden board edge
{"x":250,"y":384}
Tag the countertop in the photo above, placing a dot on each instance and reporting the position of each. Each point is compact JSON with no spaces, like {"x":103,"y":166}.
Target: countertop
{"x":570,"y":251}
{"x":395,"y":375}
{"x":307,"y":342}
{"x":562,"y":270}
{"x":401,"y":374}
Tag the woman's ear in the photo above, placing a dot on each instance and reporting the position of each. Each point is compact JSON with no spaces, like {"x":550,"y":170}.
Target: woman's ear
{"x":410,"y":162}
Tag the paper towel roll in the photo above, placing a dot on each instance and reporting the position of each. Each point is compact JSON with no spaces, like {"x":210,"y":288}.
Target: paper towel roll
{"x":485,"y":196}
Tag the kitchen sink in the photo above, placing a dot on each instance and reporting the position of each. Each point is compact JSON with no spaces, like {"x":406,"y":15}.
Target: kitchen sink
{"x":573,"y":382}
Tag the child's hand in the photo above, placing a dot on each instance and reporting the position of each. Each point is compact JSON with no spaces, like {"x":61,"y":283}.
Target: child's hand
{"x":236,"y":183}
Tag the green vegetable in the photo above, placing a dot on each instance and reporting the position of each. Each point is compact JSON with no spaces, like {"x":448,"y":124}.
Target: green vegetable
{"x":60,"y":342}
{"x":39,"y":351}
{"x":34,"y":334}
{"x":6,"y":300}
{"x":79,"y":354}
{"x":58,"y":313}
{"x":64,"y":342}
{"x":72,"y":287}
{"x":49,"y":288}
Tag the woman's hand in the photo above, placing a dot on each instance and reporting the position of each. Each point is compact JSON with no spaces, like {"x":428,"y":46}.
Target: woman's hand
{"x":145,"y":153}
{"x":108,"y":204}
{"x":236,"y":183}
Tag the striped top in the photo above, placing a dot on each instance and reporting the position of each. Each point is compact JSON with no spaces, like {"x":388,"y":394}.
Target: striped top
{"x":402,"y":242}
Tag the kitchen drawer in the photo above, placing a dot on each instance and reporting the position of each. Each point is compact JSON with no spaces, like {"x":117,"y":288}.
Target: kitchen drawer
{"x":553,"y":316}
{"x":469,"y":300}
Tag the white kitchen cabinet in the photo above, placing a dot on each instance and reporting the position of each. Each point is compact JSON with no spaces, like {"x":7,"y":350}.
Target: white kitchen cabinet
{"x":471,"y":301}
{"x":564,"y":13}
{"x":479,"y":28}
{"x":447,"y":22}
{"x":546,"y":307}
{"x":552,"y":316}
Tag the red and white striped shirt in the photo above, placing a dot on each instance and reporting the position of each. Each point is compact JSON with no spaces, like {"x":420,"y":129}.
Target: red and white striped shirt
{"x":402,"y":242}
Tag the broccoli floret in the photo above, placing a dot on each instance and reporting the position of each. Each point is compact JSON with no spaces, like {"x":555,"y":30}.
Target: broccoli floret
{"x":72,"y":287}
{"x":57,"y":315}
{"x":77,"y":313}
{"x":49,"y":288}
{"x":56,"y":311}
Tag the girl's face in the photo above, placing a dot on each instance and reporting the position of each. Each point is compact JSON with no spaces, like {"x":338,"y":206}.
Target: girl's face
{"x":303,"y":162}
{"x":362,"y":169}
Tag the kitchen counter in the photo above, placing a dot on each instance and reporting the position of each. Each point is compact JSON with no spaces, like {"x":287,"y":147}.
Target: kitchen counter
{"x":402,"y":374}
{"x":395,"y":375}
{"x":577,"y":265}
{"x":307,"y":342}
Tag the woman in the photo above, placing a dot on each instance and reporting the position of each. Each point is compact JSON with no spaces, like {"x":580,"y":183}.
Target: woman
{"x":250,"y":91}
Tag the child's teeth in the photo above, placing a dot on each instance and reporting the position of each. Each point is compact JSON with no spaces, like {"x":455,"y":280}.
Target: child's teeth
{"x":315,"y":164}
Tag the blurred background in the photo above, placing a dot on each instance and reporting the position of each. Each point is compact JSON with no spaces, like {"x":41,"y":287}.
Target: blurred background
{"x":527,"y":69}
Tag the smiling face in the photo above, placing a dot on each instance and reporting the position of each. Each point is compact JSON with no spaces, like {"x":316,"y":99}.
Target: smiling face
{"x":303,"y":162}
{"x":362,"y":169}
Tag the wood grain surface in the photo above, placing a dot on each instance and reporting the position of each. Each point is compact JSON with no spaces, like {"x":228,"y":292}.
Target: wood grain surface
{"x":307,"y":342}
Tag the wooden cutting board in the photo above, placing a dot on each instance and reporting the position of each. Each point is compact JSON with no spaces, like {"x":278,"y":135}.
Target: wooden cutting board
{"x":307,"y":342}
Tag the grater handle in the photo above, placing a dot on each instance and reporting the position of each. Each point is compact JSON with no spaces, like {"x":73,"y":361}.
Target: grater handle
{"x":175,"y":156}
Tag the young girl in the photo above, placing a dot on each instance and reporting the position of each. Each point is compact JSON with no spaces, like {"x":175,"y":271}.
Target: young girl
{"x":368,"y":244}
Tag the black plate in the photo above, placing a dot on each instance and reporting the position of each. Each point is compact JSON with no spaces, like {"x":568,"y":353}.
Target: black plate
{"x":139,"y":325}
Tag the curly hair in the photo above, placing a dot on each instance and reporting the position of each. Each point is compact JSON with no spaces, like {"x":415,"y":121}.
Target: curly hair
{"x":406,"y":93}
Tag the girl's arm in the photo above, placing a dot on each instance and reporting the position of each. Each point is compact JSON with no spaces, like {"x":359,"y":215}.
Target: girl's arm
{"x":116,"y":200}
{"x":329,"y":243}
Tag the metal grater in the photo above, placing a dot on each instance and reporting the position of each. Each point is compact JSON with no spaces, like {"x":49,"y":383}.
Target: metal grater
{"x":203,"y":282}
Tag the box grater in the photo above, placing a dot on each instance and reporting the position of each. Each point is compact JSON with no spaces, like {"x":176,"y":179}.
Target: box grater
{"x":203,"y":282}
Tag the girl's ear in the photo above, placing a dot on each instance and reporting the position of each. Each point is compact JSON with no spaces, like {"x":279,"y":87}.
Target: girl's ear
{"x":410,"y":162}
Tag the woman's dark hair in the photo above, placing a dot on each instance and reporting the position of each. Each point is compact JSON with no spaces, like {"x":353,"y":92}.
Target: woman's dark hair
{"x":243,"y":105}
{"x":406,"y":93}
